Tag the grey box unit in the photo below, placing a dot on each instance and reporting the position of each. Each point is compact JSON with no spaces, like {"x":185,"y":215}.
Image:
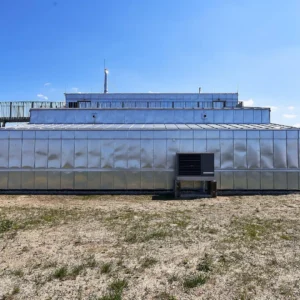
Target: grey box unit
{"x":195,"y":166}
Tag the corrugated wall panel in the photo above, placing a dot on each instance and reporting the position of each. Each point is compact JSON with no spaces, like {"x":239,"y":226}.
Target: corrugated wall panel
{"x":81,"y":180}
{"x":280,"y":181}
{"x":81,"y":153}
{"x":280,"y":155}
{"x":227,"y":154}
{"x":107,"y":180}
{"x":266,"y":153}
{"x":253,"y":180}
{"x":253,"y":154}
{"x":54,"y":153}
{"x":4,"y":157}
{"x":3,"y":180}
{"x":120,"y":154}
{"x":147,"y":155}
{"x":292,"y":153}
{"x":14,"y":180}
{"x":28,"y":180}
{"x":240,"y":180}
{"x":41,"y":180}
{"x":54,"y":181}
{"x":67,"y":180}
{"x":267,"y":180}
{"x":67,"y":155}
{"x":14,"y":153}
{"x":293,"y":180}
{"x":240,"y":154}
{"x":28,"y":147}
{"x":107,"y":154}
{"x":94,"y":180}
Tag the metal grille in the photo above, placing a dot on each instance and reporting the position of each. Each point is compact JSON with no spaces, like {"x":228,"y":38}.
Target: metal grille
{"x":189,"y":164}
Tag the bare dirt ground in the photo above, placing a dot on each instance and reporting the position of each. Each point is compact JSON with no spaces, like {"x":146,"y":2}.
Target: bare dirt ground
{"x":133,"y":247}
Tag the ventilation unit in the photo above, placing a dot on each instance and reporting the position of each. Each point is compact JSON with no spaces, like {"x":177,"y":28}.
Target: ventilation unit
{"x":195,"y":165}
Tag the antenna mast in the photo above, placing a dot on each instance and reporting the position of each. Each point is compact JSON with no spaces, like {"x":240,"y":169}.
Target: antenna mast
{"x":105,"y":79}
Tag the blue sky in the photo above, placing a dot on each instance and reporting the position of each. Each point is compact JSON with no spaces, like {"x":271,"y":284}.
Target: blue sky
{"x":49,"y":47}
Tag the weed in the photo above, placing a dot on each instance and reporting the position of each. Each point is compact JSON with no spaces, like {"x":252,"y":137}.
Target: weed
{"x":193,"y":281}
{"x":286,"y":237}
{"x":118,"y":285}
{"x":18,"y":273}
{"x":148,"y":262}
{"x":115,"y":290}
{"x":60,"y":273}
{"x":172,"y":279}
{"x":106,"y":268}
{"x":206,"y":264}
{"x":16,"y":290}
{"x":76,"y":271}
{"x":5,"y":225}
{"x":133,"y":237}
{"x":155,"y":235}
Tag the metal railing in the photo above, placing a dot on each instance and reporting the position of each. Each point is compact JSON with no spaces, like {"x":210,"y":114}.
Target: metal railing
{"x":153,"y":104}
{"x":19,"y":111}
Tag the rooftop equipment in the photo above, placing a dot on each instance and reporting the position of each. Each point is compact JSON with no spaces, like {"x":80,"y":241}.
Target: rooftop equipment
{"x":105,"y":81}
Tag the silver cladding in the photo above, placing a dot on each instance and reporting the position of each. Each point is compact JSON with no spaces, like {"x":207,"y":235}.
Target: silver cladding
{"x":143,"y":157}
{"x":150,"y":116}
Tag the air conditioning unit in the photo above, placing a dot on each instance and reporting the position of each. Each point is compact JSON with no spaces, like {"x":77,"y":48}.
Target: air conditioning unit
{"x":195,"y":165}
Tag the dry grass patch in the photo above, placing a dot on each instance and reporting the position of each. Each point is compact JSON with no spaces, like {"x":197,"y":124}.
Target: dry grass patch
{"x":131,"y":247}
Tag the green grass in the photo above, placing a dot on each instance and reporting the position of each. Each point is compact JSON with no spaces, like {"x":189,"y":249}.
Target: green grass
{"x":5,"y":225}
{"x":254,"y":229}
{"x":206,"y":264}
{"x":60,"y":273}
{"x":148,"y":262}
{"x":193,"y":281}
{"x":18,"y":218}
{"x":16,"y":290}
{"x":115,"y":290}
{"x":75,"y":271}
{"x":141,"y":236}
{"x":106,"y":268}
{"x":18,"y":273}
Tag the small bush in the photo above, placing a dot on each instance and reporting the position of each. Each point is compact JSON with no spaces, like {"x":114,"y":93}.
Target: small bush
{"x":60,"y":273}
{"x":5,"y":225}
{"x":193,"y":281}
{"x":76,"y":271}
{"x":16,"y":290}
{"x":205,"y":265}
{"x":105,"y":268}
{"x":118,"y":285}
{"x":115,"y":290}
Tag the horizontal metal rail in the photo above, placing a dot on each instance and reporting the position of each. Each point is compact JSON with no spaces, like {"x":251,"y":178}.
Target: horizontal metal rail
{"x":152,"y":104}
{"x":19,"y":111}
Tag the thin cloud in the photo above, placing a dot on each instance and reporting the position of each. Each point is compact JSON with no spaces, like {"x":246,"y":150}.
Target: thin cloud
{"x":289,"y":116}
{"x":47,"y":84}
{"x":273,"y":108}
{"x":41,"y":96}
{"x":291,"y":108}
{"x":297,"y":125}
{"x":249,"y":102}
